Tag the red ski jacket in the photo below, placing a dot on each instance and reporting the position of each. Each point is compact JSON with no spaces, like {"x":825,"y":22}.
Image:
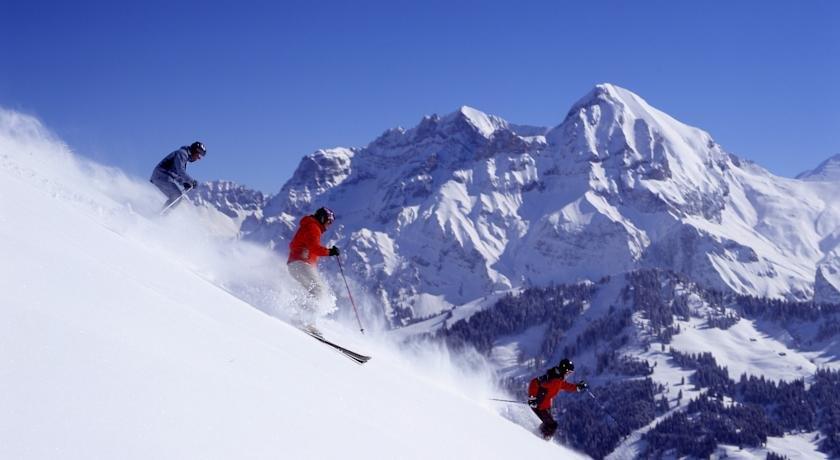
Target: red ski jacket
{"x":306,"y":244}
{"x":545,"y":388}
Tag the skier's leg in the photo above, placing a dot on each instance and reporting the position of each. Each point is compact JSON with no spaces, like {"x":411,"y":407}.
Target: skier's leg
{"x":548,"y":426}
{"x":549,"y":429}
{"x":168,"y":188}
{"x":307,"y":276}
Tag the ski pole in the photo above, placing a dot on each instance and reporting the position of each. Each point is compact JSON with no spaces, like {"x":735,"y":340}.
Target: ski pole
{"x":507,"y":401}
{"x":163,"y":211}
{"x":353,"y":303}
{"x":183,"y":194}
{"x":598,"y":402}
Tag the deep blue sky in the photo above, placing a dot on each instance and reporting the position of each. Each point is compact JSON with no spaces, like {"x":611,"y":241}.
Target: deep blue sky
{"x":264,"y":83}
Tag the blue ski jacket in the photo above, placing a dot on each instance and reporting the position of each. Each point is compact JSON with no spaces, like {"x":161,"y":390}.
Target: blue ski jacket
{"x":174,"y":167}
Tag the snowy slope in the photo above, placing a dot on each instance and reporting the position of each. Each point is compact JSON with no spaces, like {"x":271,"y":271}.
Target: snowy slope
{"x":118,"y":343}
{"x":466,"y":204}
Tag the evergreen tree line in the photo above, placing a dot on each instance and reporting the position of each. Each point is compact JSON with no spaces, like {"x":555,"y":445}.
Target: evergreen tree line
{"x":653,"y":292}
{"x":613,"y":362}
{"x":609,"y":325}
{"x":785,"y":310}
{"x":828,"y":329}
{"x":596,"y":430}
{"x":706,"y":423}
{"x":764,"y":408}
{"x":606,"y":328}
{"x":556,"y":307}
{"x":782,"y":311}
{"x":724,"y":321}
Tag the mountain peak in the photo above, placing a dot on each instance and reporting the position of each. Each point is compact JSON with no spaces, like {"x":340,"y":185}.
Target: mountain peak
{"x":485,"y":124}
{"x":614,"y":108}
{"x":828,"y":170}
{"x":616,"y":96}
{"x":609,"y":89}
{"x":466,"y":120}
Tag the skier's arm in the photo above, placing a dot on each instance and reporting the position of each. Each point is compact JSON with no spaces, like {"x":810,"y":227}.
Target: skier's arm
{"x":180,"y":165}
{"x":567,"y":386}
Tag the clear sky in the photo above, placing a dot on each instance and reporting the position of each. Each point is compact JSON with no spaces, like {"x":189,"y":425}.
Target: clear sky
{"x":264,"y":83}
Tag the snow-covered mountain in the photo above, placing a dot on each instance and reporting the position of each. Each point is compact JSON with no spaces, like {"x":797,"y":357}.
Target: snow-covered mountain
{"x":233,"y":200}
{"x":467,"y":204}
{"x":121,"y":338}
{"x":827,"y":283}
{"x":828,"y":170}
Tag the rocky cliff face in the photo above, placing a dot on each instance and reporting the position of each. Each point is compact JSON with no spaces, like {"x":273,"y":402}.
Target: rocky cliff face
{"x":233,"y":200}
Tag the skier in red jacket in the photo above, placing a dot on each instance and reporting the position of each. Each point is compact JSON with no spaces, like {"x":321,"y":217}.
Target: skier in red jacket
{"x":304,"y":250}
{"x":543,"y":389}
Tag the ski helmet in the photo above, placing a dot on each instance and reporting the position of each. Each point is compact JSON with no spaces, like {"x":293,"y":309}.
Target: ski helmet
{"x":325,"y":216}
{"x":566,"y":366}
{"x":198,"y":148}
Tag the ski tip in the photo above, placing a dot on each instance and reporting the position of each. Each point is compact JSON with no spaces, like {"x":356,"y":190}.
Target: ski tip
{"x":356,"y":357}
{"x":311,"y":330}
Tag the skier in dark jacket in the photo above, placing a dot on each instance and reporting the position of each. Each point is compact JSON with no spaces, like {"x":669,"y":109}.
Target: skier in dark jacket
{"x":170,"y":175}
{"x":543,"y":389}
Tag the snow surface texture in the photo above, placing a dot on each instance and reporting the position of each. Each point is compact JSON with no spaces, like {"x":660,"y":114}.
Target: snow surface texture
{"x":120,"y":339}
{"x":468,"y":204}
{"x":797,"y":446}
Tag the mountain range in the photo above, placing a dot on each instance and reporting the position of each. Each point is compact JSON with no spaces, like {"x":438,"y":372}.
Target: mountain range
{"x":622,"y":238}
{"x":468,"y":204}
{"x":672,"y":271}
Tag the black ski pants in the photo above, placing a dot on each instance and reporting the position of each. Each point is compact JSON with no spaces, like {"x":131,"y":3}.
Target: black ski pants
{"x":548,"y":426}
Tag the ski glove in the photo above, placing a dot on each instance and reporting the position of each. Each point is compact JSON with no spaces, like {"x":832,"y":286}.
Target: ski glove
{"x":582,"y":386}
{"x":334,"y":251}
{"x":190,"y":185}
{"x":533,"y":402}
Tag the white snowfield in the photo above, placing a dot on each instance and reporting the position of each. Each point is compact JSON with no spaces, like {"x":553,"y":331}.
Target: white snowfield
{"x":117,"y":343}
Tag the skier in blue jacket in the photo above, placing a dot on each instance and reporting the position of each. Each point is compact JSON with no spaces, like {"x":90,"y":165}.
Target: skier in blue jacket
{"x":170,"y":175}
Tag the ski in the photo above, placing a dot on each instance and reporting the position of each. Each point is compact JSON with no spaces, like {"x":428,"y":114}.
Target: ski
{"x":357,"y":357}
